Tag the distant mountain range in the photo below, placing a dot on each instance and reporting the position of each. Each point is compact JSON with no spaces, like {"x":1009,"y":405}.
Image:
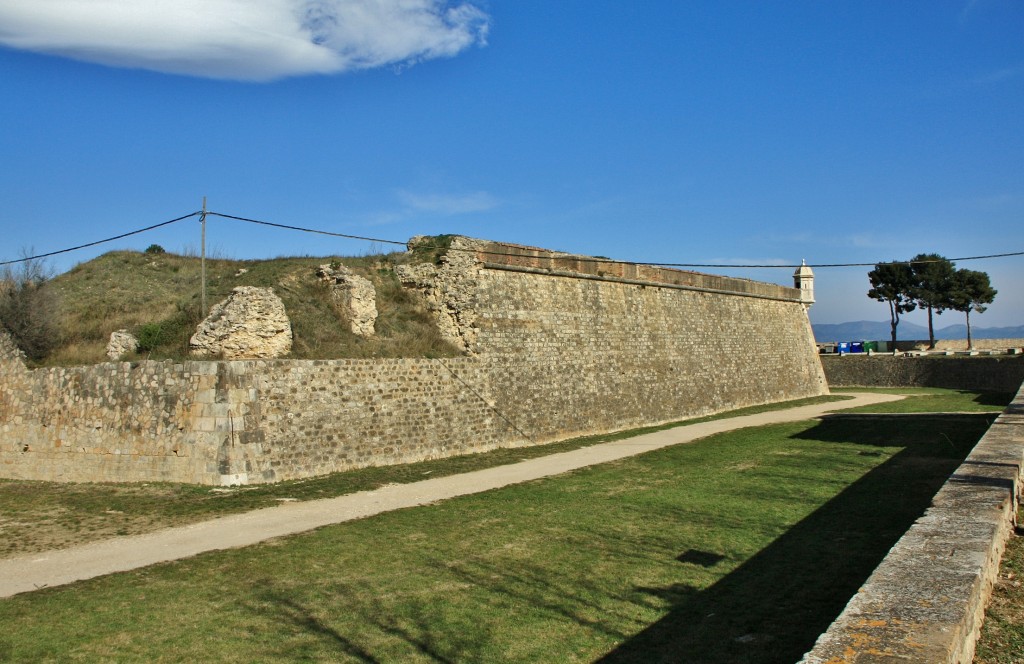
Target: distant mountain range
{"x":866,"y":330}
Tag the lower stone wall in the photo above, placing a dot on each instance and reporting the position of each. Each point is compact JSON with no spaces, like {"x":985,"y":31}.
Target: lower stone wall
{"x":240,"y":422}
{"x":993,"y":374}
{"x":151,"y":421}
{"x":926,"y":601}
{"x":961,"y":344}
{"x":298,"y":419}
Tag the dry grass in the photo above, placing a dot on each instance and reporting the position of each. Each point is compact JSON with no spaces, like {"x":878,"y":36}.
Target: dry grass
{"x":1002,"y":635}
{"x":162,"y":293}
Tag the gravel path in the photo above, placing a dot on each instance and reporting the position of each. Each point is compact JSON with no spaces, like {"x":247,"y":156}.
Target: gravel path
{"x":59,"y":567}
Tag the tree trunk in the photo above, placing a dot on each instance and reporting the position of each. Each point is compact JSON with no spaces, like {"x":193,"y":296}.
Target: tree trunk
{"x":931,"y":331}
{"x":894,"y":320}
{"x":970,"y":343}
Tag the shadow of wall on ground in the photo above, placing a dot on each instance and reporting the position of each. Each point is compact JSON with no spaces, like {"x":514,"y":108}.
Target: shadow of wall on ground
{"x":774,"y":606}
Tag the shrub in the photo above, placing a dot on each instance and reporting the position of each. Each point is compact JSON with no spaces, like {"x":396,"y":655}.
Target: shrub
{"x":155,"y":249}
{"x":28,"y":309}
{"x":169,"y":337}
{"x":150,"y":335}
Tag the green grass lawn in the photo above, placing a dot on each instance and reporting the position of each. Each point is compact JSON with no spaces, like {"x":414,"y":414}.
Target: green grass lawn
{"x":741,"y":547}
{"x":36,"y":516}
{"x":933,"y":400}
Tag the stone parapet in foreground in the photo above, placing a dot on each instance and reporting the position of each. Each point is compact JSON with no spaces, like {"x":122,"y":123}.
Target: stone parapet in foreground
{"x":926,"y":601}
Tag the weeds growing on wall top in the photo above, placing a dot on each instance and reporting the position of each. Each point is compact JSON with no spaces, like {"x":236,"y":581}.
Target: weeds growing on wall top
{"x":430,"y":248}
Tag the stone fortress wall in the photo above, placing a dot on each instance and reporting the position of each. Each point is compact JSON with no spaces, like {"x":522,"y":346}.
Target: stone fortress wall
{"x":555,"y":346}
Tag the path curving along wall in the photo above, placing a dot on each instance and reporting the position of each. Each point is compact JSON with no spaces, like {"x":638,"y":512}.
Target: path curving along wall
{"x":556,"y":346}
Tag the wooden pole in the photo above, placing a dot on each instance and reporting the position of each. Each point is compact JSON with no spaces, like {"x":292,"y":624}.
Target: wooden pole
{"x":202,"y":259}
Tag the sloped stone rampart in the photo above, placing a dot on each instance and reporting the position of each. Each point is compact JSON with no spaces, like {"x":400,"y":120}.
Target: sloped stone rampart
{"x":926,"y":601}
{"x":550,"y":354}
{"x":625,"y":354}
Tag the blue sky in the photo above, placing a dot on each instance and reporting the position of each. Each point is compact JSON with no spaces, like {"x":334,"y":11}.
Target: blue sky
{"x":675,"y":132}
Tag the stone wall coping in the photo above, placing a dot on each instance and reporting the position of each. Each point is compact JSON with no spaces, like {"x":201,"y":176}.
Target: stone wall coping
{"x":653,"y":284}
{"x":501,"y":255}
{"x":926,"y":601}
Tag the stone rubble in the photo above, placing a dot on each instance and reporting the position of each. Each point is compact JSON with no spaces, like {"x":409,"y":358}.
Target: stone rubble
{"x":354,"y":294}
{"x":450,"y":289}
{"x":122,"y":342}
{"x":250,"y":324}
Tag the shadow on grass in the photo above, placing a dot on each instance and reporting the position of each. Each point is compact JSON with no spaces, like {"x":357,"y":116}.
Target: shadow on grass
{"x":769,"y":609}
{"x":774,"y":606}
{"x":418,"y":629}
{"x":1000,"y":399}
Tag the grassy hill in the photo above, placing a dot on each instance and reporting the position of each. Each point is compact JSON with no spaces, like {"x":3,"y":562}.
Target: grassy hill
{"x":158,"y":295}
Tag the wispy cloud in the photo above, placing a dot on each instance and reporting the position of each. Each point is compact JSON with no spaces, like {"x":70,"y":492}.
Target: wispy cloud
{"x":998,"y":76}
{"x":967,"y":10}
{"x":242,"y":39}
{"x":449,"y":204}
{"x":826,"y":237}
{"x":739,"y":262}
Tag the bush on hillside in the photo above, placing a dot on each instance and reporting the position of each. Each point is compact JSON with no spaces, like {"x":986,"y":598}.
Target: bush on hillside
{"x":28,"y":308}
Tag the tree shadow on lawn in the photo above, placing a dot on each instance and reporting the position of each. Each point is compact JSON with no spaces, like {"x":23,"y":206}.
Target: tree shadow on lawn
{"x":774,"y":606}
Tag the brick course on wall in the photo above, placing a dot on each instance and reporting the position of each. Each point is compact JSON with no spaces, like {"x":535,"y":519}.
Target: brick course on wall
{"x":554,"y":354}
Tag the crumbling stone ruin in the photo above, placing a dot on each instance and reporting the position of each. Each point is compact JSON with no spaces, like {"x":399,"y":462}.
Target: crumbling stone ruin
{"x":122,"y":342}
{"x":449,"y":287}
{"x":250,"y":324}
{"x":355,"y":296}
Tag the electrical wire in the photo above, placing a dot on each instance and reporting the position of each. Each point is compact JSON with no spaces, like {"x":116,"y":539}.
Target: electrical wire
{"x":596,"y":259}
{"x":965,"y":258}
{"x":581,"y":259}
{"x":304,"y":230}
{"x":93,"y":244}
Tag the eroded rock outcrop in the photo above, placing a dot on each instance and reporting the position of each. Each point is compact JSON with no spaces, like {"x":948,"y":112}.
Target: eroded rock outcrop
{"x":122,"y":342}
{"x":449,"y":287}
{"x":9,"y":351}
{"x":250,"y":323}
{"x":355,"y":296}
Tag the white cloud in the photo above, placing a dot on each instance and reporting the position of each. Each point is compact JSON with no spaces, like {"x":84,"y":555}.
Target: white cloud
{"x":447,"y":204}
{"x":244,"y":39}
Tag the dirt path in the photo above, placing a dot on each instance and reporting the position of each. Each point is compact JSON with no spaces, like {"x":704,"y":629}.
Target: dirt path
{"x":59,"y":567}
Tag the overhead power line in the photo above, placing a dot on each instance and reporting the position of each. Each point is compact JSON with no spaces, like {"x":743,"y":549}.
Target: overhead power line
{"x":964,"y":258}
{"x":604,"y":260}
{"x":93,"y":244}
{"x":304,"y":230}
{"x":584,"y":259}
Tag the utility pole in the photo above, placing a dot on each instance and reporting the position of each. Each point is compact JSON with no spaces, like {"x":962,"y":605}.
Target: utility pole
{"x":202,"y":259}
